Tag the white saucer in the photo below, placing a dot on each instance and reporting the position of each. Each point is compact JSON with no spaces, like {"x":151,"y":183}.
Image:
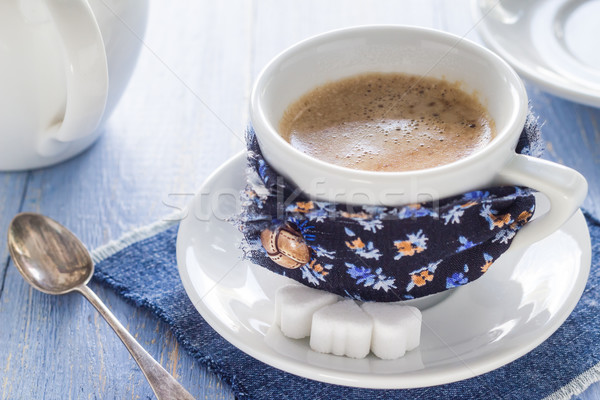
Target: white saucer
{"x":515,"y":306}
{"x":553,"y":43}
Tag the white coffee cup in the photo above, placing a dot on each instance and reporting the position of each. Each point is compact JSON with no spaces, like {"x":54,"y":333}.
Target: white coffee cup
{"x":63,"y":67}
{"x":424,"y":52}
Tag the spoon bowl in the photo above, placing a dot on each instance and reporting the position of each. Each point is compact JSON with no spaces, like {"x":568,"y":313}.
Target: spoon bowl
{"x":49,"y":256}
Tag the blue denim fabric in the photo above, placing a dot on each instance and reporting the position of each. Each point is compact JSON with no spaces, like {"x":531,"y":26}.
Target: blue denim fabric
{"x":145,"y":273}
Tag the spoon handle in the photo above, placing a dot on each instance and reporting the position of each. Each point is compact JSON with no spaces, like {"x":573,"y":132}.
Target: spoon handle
{"x":162,"y":383}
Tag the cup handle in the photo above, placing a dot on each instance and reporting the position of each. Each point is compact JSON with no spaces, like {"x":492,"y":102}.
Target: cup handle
{"x":86,"y":72}
{"x":564,"y":187}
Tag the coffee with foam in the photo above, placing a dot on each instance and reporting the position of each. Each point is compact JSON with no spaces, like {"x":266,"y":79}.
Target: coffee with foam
{"x":387,"y":122}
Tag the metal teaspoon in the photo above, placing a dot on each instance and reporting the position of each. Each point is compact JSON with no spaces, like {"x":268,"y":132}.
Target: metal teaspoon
{"x":53,"y":260}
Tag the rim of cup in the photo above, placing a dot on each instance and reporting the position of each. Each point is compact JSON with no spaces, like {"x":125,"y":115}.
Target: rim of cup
{"x":266,"y":130}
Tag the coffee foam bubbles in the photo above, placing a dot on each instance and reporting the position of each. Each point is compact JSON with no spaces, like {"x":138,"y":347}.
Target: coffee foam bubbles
{"x":387,"y":122}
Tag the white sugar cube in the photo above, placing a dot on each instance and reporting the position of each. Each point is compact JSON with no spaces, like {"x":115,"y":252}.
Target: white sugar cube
{"x":295,"y":306}
{"x":396,"y":329}
{"x":341,"y":329}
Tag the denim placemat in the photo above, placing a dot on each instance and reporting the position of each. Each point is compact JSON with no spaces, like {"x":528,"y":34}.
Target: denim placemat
{"x":142,"y":268}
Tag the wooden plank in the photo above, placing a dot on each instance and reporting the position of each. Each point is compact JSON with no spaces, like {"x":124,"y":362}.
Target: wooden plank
{"x":12,"y":189}
{"x":281,"y":23}
{"x":571,"y":134}
{"x":166,"y":136}
{"x":571,"y":130}
{"x":180,"y":118}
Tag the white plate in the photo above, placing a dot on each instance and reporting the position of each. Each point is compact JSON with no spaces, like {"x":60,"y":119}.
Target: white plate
{"x":513,"y":308}
{"x":553,"y":43}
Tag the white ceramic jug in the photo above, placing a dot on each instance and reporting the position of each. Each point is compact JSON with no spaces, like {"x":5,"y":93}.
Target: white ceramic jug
{"x":63,"y":66}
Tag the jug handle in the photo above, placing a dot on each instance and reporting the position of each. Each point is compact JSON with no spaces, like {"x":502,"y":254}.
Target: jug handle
{"x":86,"y":72}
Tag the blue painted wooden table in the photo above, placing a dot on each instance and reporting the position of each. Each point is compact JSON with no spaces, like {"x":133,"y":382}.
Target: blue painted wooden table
{"x":183,"y":115}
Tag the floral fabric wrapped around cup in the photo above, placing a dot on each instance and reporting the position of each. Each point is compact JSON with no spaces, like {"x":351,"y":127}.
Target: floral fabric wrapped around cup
{"x":375,"y":253}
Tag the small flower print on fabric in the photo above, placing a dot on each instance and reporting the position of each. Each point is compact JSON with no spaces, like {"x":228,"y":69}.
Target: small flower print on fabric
{"x":321,"y":211}
{"x":321,"y":252}
{"x":383,"y":282}
{"x":372,"y":225}
{"x":455,"y":213}
{"x":488,"y":262}
{"x":321,"y":269}
{"x":457,"y":279}
{"x":374,"y":210}
{"x":504,"y":236}
{"x":364,"y":276}
{"x":521,"y":219}
{"x":476,"y":195}
{"x":364,"y":250}
{"x":262,"y":171}
{"x":311,"y":276}
{"x":423,"y":275}
{"x":414,"y":211}
{"x":355,"y":244}
{"x":453,"y":216}
{"x":315,"y":272}
{"x":525,"y":216}
{"x":415,"y":243}
{"x":495,"y":221}
{"x":355,"y":216}
{"x":464,"y":244}
{"x":301,"y":207}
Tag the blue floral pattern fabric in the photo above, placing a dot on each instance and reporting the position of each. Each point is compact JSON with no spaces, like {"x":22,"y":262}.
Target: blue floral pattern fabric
{"x":385,"y":254}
